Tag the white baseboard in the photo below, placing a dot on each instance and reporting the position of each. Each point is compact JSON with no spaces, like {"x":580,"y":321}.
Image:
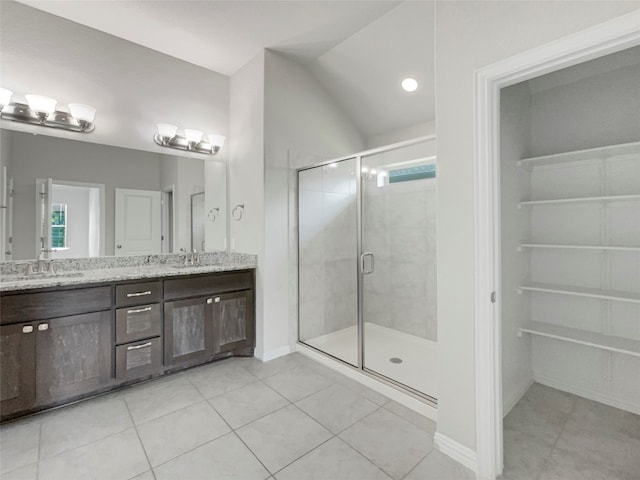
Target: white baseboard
{"x":275,"y":353}
{"x":394,"y":394}
{"x":458,"y":452}
{"x":515,"y":398}
{"x":596,"y":396}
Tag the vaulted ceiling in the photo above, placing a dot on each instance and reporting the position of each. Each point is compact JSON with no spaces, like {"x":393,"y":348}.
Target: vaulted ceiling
{"x":358,"y":50}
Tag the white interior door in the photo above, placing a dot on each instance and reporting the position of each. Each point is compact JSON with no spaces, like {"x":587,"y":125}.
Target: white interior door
{"x":138,"y":228}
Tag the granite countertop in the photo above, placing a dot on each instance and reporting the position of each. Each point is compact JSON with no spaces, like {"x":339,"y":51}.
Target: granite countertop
{"x":110,"y":269}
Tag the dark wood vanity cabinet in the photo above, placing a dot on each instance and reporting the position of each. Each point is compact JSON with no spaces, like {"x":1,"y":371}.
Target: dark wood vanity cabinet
{"x":62,"y":344}
{"x":138,"y":330}
{"x":54,"y":353}
{"x":17,"y":368}
{"x":231,"y":330}
{"x":73,"y":356}
{"x":188,"y":331}
{"x":219,"y":320}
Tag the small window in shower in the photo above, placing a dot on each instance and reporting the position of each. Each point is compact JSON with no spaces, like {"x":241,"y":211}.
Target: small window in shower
{"x":412,"y":173}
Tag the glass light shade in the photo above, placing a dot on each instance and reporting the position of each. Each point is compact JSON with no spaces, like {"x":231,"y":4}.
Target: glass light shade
{"x":82,"y":112}
{"x":192,"y":136}
{"x":409,"y":84}
{"x":167,"y":130}
{"x":5,"y":97}
{"x":216,"y":140}
{"x":41,"y":104}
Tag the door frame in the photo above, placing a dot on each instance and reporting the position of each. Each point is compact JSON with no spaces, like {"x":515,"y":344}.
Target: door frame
{"x":603,"y":39}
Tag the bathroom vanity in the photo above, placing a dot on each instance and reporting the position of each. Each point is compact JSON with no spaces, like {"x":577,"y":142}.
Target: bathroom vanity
{"x":71,"y":335}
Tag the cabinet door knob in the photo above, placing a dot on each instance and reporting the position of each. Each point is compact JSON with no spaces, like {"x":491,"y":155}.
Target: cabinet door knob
{"x":43,"y":327}
{"x":209,"y":301}
{"x":217,"y":300}
{"x":27,"y":329}
{"x":118,"y":246}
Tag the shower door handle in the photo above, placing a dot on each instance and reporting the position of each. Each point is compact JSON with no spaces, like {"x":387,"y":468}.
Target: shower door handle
{"x":362,"y":263}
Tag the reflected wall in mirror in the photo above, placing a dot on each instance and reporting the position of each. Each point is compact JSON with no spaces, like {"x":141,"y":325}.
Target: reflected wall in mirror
{"x":69,"y":199}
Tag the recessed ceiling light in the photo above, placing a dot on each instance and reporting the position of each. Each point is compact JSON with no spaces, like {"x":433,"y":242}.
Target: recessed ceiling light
{"x":409,"y":84}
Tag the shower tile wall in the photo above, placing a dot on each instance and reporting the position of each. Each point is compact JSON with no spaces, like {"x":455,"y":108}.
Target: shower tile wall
{"x":327,"y":282}
{"x":399,"y":225}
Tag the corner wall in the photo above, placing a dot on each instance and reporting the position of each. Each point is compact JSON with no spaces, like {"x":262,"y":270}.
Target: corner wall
{"x":303,"y":125}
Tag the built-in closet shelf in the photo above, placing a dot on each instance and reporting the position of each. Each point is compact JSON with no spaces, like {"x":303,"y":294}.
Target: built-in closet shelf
{"x":606,"y":152}
{"x":578,"y":247}
{"x":616,"y":295}
{"x":559,"y":201}
{"x":583,"y":337}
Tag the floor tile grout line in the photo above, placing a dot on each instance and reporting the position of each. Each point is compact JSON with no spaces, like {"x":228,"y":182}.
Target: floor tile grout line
{"x":252,"y":452}
{"x":419,"y":462}
{"x":240,"y":438}
{"x":304,"y":454}
{"x":356,"y":449}
{"x":164,"y":414}
{"x":135,"y":428}
{"x":254,"y":420}
{"x":39,"y":449}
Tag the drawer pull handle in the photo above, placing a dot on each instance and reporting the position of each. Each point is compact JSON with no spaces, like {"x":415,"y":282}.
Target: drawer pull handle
{"x":139,"y":294}
{"x":43,"y":327}
{"x":136,"y":347}
{"x":27,"y":329}
{"x":140,"y":310}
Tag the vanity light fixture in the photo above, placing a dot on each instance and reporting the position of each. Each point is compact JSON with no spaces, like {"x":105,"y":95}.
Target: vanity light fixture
{"x":192,"y":140}
{"x":41,"y":110}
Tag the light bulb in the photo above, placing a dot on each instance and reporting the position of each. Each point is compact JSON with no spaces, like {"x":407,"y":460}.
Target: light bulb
{"x":409,"y":84}
{"x":166,"y":130}
{"x":5,"y":97}
{"x":41,"y":104}
{"x":192,"y":136}
{"x":216,"y":140}
{"x":82,"y":113}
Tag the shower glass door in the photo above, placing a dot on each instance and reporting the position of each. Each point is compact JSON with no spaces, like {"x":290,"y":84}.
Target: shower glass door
{"x":398,"y":266}
{"x":327,"y":259}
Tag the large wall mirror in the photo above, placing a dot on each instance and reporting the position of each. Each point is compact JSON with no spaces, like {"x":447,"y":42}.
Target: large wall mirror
{"x":67,"y":199}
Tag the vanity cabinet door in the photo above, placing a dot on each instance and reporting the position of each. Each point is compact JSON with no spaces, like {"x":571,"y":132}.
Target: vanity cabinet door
{"x":234,"y":328}
{"x":17,"y":368}
{"x":74,"y":356}
{"x":188,"y":331}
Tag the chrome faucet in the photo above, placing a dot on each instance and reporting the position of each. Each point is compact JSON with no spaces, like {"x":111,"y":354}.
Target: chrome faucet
{"x":192,"y":258}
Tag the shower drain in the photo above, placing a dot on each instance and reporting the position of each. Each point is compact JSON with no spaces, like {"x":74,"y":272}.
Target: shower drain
{"x":395,"y":360}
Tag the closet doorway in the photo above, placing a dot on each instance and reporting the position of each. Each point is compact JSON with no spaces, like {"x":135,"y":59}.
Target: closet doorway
{"x":366,"y":263}
{"x":500,"y":292}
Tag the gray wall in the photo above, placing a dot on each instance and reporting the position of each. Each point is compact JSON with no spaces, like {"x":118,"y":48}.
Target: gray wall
{"x":38,"y":156}
{"x":132,"y":87}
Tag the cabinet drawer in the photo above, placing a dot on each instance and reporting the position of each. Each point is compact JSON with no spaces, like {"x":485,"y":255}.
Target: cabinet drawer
{"x":139,"y":359}
{"x":137,"y":322}
{"x":26,"y":307}
{"x":138,"y":293}
{"x":207,"y":284}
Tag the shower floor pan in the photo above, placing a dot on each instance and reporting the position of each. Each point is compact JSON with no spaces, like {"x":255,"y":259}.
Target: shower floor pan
{"x":405,"y":358}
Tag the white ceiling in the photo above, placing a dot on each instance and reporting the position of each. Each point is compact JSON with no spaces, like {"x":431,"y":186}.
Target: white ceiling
{"x":222,"y":35}
{"x":359,"y":50}
{"x":363,"y":73}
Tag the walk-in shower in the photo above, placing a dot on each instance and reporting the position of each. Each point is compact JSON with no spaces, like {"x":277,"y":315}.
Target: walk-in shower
{"x":367,"y":263}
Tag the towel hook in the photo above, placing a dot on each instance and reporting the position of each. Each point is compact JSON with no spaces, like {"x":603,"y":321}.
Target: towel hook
{"x":237,"y":212}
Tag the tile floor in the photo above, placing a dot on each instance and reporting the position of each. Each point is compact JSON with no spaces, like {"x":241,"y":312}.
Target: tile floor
{"x":288,"y":419}
{"x":553,"y":435}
